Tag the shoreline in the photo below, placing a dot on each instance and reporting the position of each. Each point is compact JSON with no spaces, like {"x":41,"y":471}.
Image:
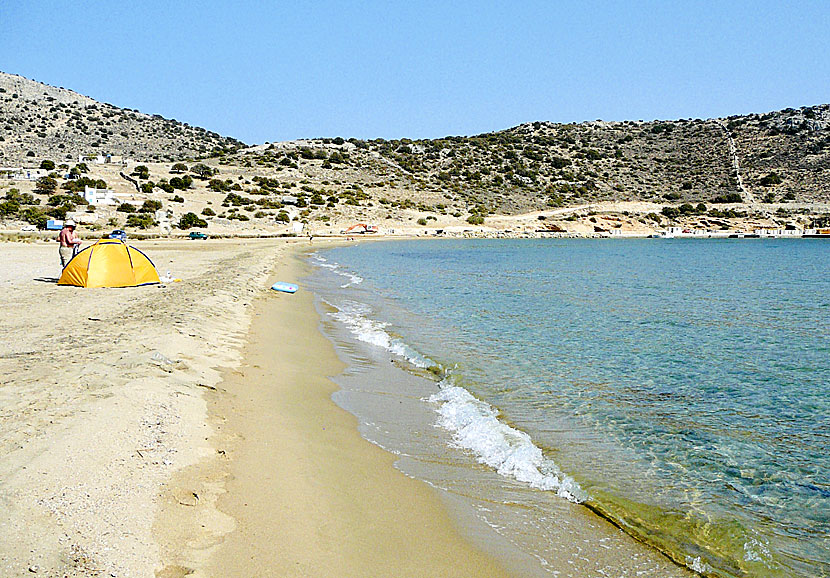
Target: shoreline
{"x":201,"y":462}
{"x":297,"y":490}
{"x":389,"y":400}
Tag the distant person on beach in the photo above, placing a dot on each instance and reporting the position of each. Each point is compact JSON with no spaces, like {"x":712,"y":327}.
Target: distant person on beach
{"x":69,"y":242}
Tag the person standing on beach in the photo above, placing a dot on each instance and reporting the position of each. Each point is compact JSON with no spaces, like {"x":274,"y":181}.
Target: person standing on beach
{"x":69,"y":242}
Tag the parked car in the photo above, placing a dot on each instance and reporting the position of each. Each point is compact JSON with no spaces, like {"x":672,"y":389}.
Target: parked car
{"x":118,"y":234}
{"x":28,"y":228}
{"x":197,"y":235}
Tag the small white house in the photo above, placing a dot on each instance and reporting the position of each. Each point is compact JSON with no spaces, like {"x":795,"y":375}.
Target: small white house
{"x":95,"y":196}
{"x":107,"y":159}
{"x":22,"y":174}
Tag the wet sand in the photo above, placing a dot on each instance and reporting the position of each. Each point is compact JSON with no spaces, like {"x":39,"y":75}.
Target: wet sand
{"x":305,"y":494}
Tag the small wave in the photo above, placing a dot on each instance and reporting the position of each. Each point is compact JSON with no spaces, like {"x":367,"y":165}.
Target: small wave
{"x":355,"y":316}
{"x":332,"y":266}
{"x":336,"y":268}
{"x":510,"y":452}
{"x":353,"y":279}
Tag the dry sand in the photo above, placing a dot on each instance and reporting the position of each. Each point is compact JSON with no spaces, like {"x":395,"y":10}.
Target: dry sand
{"x":101,"y":399}
{"x":125,"y":415}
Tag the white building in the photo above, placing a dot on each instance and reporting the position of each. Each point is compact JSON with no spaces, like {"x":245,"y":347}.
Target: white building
{"x":22,"y":174}
{"x":106,"y":159}
{"x":100,"y":196}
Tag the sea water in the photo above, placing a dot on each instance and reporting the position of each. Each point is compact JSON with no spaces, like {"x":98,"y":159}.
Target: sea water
{"x":678,"y":388}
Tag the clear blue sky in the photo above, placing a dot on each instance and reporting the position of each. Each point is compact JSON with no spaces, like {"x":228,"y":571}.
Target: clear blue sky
{"x":276,"y":70}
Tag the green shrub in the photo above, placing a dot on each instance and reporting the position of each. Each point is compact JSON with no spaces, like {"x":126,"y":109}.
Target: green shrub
{"x":150,"y":206}
{"x":203,"y":172}
{"x":78,"y":185}
{"x":21,"y":198}
{"x":208,"y":212}
{"x":9,"y":208}
{"x":559,"y":162}
{"x":475,"y":220}
{"x":140,"y":221}
{"x":218,"y":185}
{"x":422,"y":221}
{"x":34,"y":217}
{"x":165,"y":186}
{"x":47,"y":165}
{"x":593,"y":154}
{"x":770,"y":180}
{"x":142,"y":172}
{"x":182,"y":183}
{"x":189,"y":220}
{"x":46,"y":185}
{"x":72,"y":200}
{"x":59,"y":212}
{"x":126,"y":208}
{"x":728,"y":198}
{"x":177,"y":199}
{"x":689,"y":209}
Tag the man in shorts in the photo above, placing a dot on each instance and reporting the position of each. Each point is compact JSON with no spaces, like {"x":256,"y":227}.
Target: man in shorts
{"x":69,"y":242}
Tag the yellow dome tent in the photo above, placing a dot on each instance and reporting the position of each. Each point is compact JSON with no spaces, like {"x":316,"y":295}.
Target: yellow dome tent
{"x":109,"y":263}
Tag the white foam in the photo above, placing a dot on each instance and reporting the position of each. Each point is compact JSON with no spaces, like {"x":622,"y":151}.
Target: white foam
{"x":756,"y":551}
{"x":353,"y":279}
{"x":355,"y":316}
{"x":476,"y":427}
{"x":336,"y":268}
{"x":697,"y":565}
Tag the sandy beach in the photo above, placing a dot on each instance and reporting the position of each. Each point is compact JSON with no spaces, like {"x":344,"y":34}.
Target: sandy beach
{"x":187,"y":429}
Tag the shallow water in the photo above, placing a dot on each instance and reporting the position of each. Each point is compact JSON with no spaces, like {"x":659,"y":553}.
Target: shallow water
{"x":677,"y":387}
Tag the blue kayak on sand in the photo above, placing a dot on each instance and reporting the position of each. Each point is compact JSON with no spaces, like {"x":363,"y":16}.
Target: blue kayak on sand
{"x":285,"y":287}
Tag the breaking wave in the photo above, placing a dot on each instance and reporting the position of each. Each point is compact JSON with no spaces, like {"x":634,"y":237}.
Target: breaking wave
{"x":476,"y":427}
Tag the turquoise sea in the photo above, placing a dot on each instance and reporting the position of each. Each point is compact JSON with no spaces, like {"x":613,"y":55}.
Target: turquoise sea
{"x":677,"y":388}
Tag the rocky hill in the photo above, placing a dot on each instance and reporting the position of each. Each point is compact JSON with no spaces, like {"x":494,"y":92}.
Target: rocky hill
{"x":40,"y":121}
{"x":741,"y":172}
{"x":760,"y":157}
{"x":753,"y":160}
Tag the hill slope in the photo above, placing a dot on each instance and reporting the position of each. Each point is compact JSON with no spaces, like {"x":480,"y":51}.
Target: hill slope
{"x":542,"y":163}
{"x":41,"y":121}
{"x":738,"y":173}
